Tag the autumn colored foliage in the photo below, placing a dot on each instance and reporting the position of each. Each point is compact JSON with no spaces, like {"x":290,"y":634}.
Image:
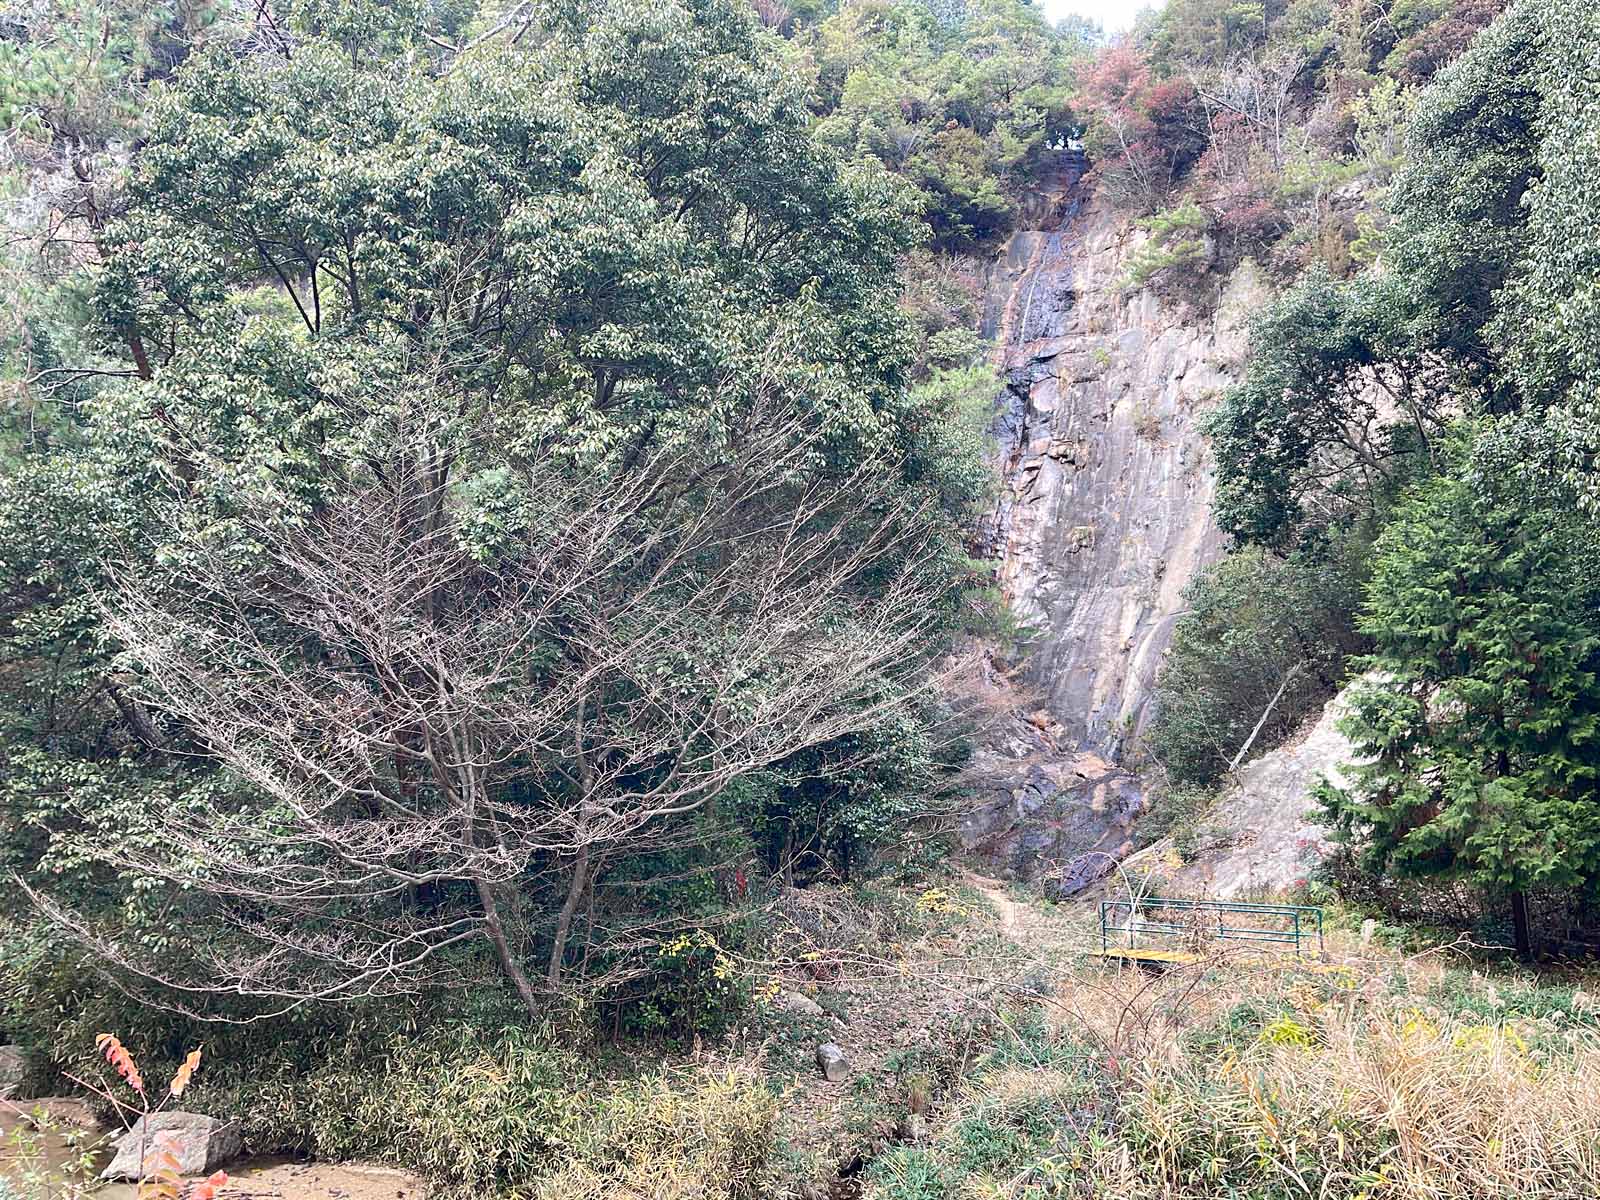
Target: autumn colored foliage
{"x":1144,"y":131}
{"x":159,"y":1174}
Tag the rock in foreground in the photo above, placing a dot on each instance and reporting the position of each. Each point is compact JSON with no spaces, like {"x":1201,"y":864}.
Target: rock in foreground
{"x":13,"y":1072}
{"x":200,"y":1144}
{"x":800,"y":1003}
{"x":831,"y":1061}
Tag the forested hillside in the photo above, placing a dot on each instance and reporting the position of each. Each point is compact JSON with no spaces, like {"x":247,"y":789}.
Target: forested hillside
{"x":492,"y":528}
{"x":1408,"y":470}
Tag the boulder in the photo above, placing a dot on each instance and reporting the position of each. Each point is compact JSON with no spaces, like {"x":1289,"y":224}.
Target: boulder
{"x":200,"y":1144}
{"x":13,"y":1072}
{"x":832,"y":1062}
{"x":913,"y":1128}
{"x":801,"y":1003}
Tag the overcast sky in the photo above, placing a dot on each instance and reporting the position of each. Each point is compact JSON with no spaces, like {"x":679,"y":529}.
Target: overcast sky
{"x":1113,"y":14}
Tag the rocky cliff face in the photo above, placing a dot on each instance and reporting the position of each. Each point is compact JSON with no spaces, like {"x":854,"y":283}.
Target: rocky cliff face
{"x":1103,"y":515}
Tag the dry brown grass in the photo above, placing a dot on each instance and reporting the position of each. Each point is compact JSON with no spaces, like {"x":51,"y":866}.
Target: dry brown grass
{"x":1377,"y":1101}
{"x":706,"y":1134}
{"x":1376,"y":1077}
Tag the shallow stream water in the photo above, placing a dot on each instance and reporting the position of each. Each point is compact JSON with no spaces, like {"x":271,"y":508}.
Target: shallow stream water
{"x":58,"y":1163}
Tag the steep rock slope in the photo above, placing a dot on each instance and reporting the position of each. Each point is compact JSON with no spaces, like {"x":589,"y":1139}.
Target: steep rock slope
{"x":1105,"y":507}
{"x":1102,"y":518}
{"x":1262,"y":835}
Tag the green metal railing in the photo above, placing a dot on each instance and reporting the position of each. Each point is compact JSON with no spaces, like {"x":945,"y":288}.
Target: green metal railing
{"x":1282,"y":924}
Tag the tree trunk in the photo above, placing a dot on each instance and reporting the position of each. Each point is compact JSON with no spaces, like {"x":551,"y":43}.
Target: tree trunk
{"x":558,"y":951}
{"x":1522,"y":931}
{"x":141,"y":360}
{"x":134,"y":715}
{"x":491,"y":908}
{"x":1262,"y":723}
{"x":502,"y":948}
{"x":580,"y":867}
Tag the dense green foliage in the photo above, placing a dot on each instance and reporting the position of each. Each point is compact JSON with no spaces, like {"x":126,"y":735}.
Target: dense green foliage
{"x":1338,"y":407}
{"x":1478,"y":736}
{"x":1264,"y":638}
{"x":492,"y":495}
{"x":1459,"y":230}
{"x":1443,"y":395}
{"x":1546,"y":322}
{"x":965,"y":108}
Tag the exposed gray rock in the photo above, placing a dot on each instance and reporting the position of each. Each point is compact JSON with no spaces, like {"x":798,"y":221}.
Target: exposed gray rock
{"x":1106,"y":484}
{"x":1055,"y":812}
{"x":1262,"y":835}
{"x":1102,"y":519}
{"x":13,"y":1072}
{"x":200,"y":1144}
{"x":801,"y":1003}
{"x":831,"y":1061}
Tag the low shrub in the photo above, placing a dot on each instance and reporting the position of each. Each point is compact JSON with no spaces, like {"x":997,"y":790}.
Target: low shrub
{"x":482,"y":1113}
{"x":692,"y":985}
{"x":908,"y":1173}
{"x":1472,"y":996}
{"x":1176,"y":253}
{"x":1024,"y":1102}
{"x":673,"y":1137}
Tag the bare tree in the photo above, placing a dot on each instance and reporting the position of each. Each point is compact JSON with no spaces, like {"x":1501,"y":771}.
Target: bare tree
{"x":774,"y":14}
{"x":434,"y":712}
{"x":1258,"y":89}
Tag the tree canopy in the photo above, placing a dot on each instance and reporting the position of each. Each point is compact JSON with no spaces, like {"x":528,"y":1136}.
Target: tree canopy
{"x":509,"y":484}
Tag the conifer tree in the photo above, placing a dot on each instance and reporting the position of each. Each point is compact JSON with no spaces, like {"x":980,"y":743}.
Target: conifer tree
{"x":1478,"y":737}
